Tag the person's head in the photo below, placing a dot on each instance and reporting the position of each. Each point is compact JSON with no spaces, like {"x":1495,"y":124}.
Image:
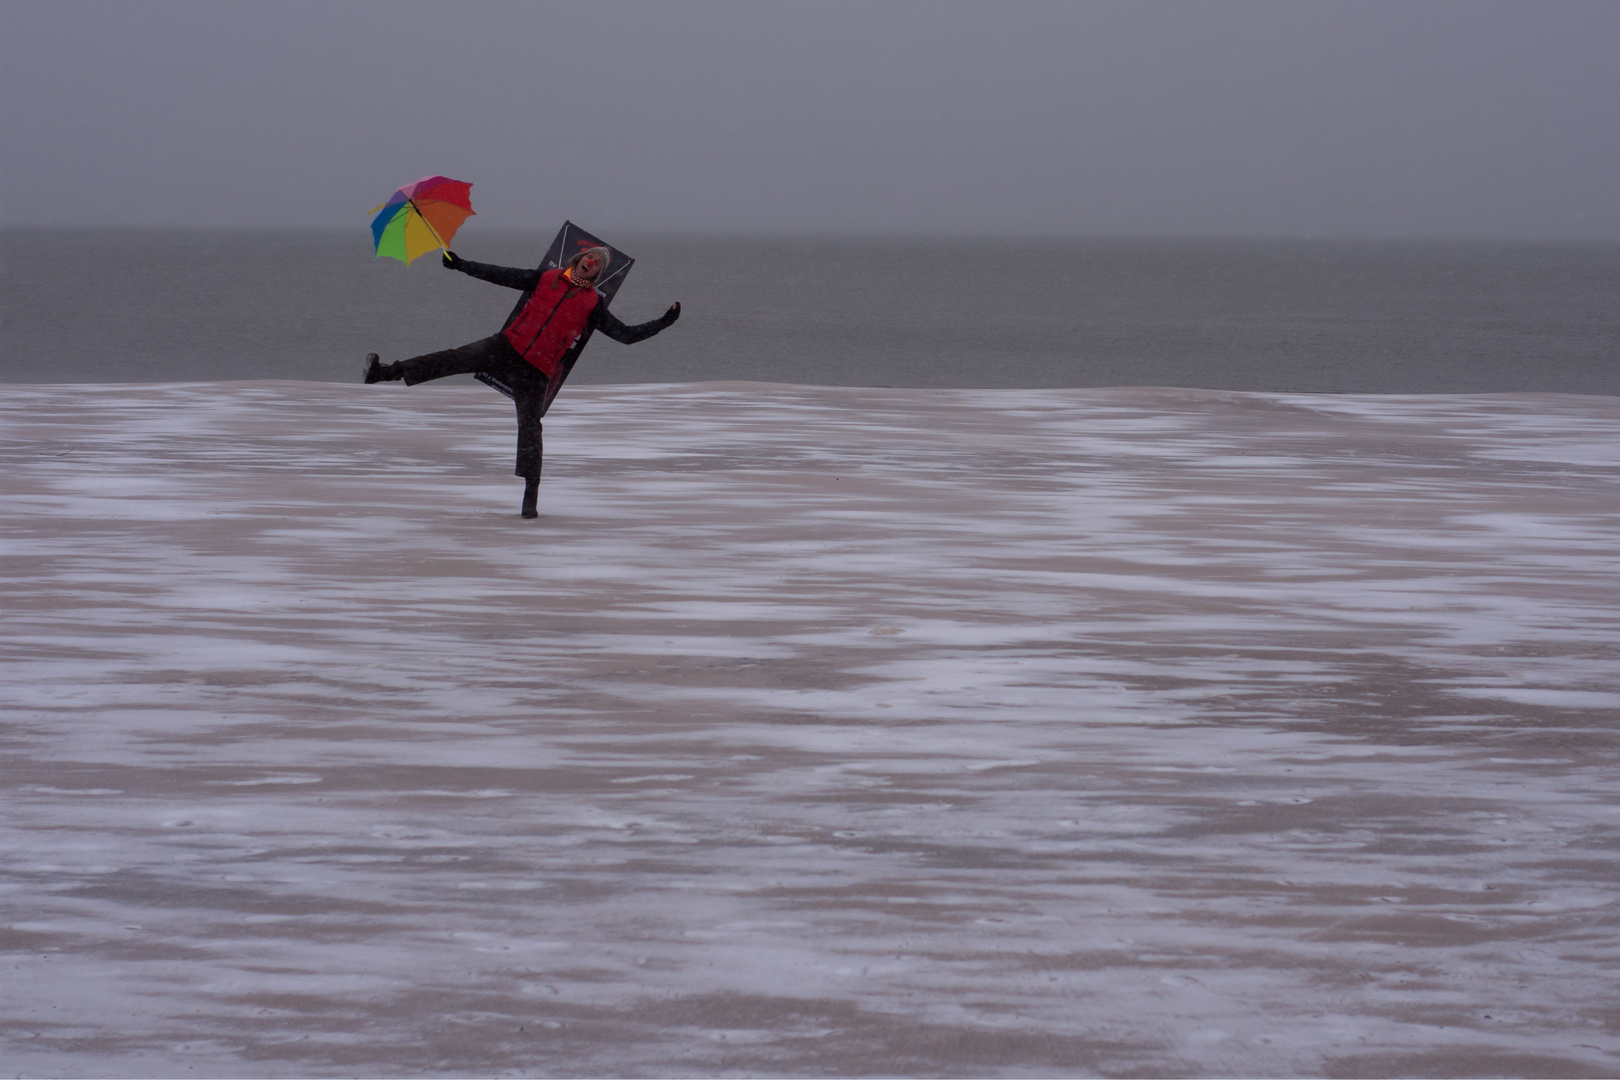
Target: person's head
{"x":587,"y":266}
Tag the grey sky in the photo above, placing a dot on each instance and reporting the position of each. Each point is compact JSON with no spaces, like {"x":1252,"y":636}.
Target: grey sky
{"x":1281,"y":119}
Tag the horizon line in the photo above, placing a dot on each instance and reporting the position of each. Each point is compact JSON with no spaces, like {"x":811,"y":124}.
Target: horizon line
{"x":872,"y":234}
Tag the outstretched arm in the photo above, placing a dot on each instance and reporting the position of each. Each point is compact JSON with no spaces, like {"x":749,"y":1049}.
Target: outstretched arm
{"x":610,"y":325}
{"x":509,"y":276}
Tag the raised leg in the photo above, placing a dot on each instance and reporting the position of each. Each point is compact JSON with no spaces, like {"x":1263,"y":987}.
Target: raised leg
{"x":486,"y":354}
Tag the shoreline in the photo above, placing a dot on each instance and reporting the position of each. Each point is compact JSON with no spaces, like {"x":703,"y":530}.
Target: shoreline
{"x":464,"y":383}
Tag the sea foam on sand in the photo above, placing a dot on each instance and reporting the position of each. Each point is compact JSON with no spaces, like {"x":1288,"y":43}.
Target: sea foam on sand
{"x":809,"y":730}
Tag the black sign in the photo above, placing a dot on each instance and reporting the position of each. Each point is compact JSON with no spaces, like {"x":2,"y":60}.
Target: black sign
{"x":570,"y":241}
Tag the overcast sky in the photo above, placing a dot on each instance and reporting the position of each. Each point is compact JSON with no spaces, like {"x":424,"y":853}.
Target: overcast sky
{"x":1472,"y":119}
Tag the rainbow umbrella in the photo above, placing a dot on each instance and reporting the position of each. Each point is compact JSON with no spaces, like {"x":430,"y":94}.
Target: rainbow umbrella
{"x":420,"y":217}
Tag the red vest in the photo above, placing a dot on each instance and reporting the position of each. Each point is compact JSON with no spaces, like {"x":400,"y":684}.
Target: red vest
{"x":551,"y":321}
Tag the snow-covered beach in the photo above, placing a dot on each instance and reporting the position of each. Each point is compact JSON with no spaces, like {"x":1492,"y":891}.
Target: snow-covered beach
{"x":810,"y":730}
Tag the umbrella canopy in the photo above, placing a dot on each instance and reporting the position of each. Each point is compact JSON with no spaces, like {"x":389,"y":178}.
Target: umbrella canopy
{"x":420,"y":217}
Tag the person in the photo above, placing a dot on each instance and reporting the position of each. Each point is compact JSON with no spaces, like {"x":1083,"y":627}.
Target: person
{"x":532,"y":350}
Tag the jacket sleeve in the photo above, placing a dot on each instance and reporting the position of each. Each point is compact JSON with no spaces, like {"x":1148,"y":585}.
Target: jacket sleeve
{"x":605,"y":321}
{"x":509,"y":276}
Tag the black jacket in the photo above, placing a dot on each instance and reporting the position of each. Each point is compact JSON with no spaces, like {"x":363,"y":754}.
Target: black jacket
{"x":601,"y":318}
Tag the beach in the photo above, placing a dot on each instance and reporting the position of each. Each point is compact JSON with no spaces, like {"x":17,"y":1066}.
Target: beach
{"x":809,"y":731}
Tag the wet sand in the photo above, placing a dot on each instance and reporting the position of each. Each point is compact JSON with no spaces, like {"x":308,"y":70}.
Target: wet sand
{"x":809,"y":731}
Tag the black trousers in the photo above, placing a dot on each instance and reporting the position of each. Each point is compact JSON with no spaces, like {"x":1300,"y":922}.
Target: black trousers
{"x":494,"y":356}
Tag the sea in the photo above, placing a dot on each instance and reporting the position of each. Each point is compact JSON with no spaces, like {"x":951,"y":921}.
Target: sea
{"x":99,"y":306}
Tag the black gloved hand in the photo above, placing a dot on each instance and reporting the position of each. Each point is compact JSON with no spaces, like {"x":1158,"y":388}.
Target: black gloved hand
{"x":672,"y":314}
{"x":451,"y":261}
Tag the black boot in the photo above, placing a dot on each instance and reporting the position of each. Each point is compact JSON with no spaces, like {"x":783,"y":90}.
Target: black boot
{"x":376,"y":372}
{"x":531,"y":495}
